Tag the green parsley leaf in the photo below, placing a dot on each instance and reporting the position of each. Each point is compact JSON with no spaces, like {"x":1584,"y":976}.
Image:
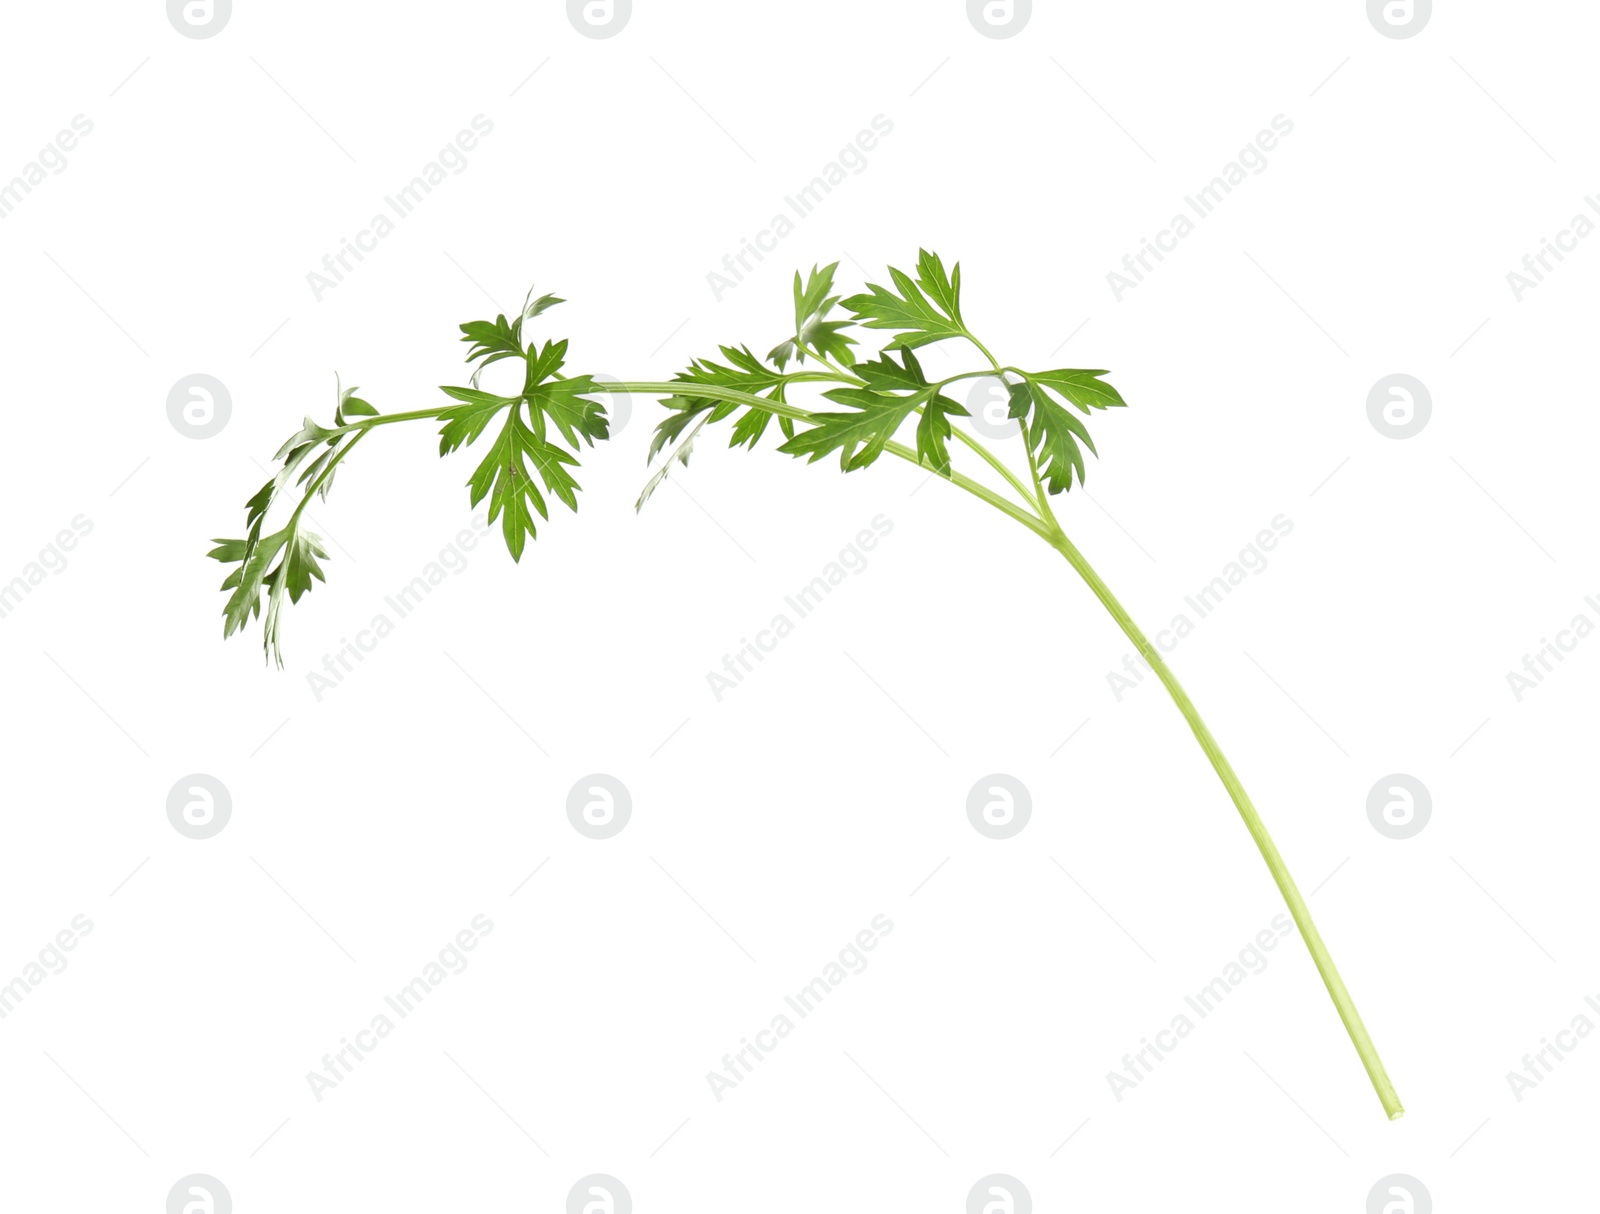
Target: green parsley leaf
{"x":927,"y":310}
{"x":503,"y":478}
{"x":877,"y":412}
{"x":503,"y":475}
{"x":933,"y":432}
{"x":539,"y":305}
{"x":254,"y":558}
{"x":350,"y":405}
{"x":1085,"y":389}
{"x":860,"y":435}
{"x":813,"y":330}
{"x":492,"y":340}
{"x":1053,"y":434}
{"x":561,"y":398}
{"x":464,"y":422}
{"x":548,"y":396}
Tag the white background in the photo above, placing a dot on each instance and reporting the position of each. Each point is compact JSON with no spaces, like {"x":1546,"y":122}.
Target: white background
{"x":372,"y":825}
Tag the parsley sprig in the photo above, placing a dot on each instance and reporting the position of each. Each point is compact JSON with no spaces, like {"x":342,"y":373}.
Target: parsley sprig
{"x":826,"y":401}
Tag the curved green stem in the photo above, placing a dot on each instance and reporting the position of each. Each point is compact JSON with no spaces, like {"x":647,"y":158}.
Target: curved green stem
{"x":1252,"y":821}
{"x":982,"y":349}
{"x":1044,"y":525}
{"x":383,"y":419}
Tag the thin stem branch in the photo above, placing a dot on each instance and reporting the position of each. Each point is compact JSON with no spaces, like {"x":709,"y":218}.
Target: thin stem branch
{"x":1043,"y":497}
{"x":322,"y":477}
{"x":995,"y":462}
